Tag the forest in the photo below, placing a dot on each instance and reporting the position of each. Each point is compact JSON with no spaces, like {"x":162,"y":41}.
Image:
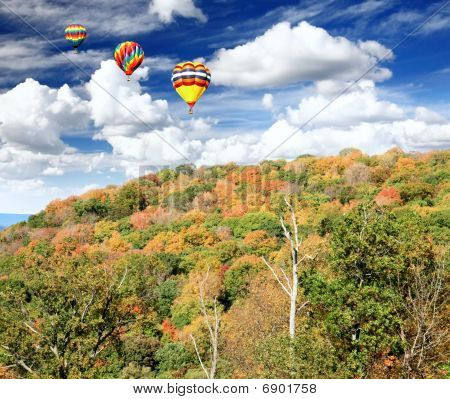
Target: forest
{"x":320,"y":267}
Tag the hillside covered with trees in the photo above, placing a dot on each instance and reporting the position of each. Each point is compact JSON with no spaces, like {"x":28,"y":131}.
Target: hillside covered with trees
{"x":322,"y":267}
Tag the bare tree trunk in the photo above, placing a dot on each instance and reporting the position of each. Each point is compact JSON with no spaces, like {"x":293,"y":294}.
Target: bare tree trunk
{"x":425,"y":302}
{"x":213,"y":329}
{"x":293,"y":311}
{"x":290,"y":285}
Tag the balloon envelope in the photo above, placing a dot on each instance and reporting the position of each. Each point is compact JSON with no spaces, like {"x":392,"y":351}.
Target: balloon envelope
{"x":75,"y":34}
{"x":128,"y":56}
{"x":190,"y":80}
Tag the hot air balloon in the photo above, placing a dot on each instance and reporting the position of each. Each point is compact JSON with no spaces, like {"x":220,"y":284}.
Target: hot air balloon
{"x":75,"y":34}
{"x":190,"y":80}
{"x":128,"y":56}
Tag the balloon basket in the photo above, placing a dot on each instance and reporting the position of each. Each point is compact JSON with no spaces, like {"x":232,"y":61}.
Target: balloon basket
{"x":190,"y":112}
{"x":75,"y":51}
{"x":128,"y":79}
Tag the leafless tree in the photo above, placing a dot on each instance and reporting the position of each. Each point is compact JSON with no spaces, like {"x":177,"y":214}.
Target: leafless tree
{"x":212,"y":322}
{"x":290,"y":284}
{"x":429,"y":333}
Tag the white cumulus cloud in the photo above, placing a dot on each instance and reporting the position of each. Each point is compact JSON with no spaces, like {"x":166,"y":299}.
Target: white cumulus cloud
{"x":428,"y":116}
{"x":358,"y":105}
{"x":119,"y":106}
{"x":287,"y":54}
{"x":33,"y":116}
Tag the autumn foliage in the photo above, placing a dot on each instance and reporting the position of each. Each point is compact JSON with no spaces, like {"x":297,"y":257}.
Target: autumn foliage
{"x":388,"y":196}
{"x":114,"y":278}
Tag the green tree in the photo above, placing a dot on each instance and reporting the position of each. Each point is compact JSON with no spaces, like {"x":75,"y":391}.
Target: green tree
{"x":59,"y":324}
{"x":254,"y":221}
{"x":91,"y":206}
{"x":173,"y":357}
{"x":362,"y":308}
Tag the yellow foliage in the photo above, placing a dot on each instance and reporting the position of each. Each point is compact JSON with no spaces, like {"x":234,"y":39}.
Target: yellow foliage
{"x":405,"y":163}
{"x":198,"y":236}
{"x":103,"y":229}
{"x":95,"y":194}
{"x":195,"y":215}
{"x":212,"y":284}
{"x":304,"y":215}
{"x":300,"y":165}
{"x":333,"y":167}
{"x":263,"y":314}
{"x":78,"y":233}
{"x":117,"y":244}
{"x":160,"y":242}
{"x":260,"y":240}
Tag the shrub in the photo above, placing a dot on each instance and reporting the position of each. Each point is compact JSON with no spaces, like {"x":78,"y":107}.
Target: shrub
{"x":166,"y":292}
{"x":179,"y":200}
{"x":197,"y":236}
{"x":327,"y":224}
{"x":182,"y":200}
{"x":139,"y":239}
{"x":346,"y":195}
{"x":405,"y":163}
{"x":173,"y":356}
{"x":116,"y":243}
{"x":183,"y":313}
{"x":135,"y":371}
{"x":439,"y":223}
{"x":213,"y":220}
{"x":379,"y":174}
{"x":388,"y":196}
{"x":205,"y":201}
{"x":417,"y":191}
{"x":357,"y":173}
{"x":237,"y":277}
{"x":241,"y":226}
{"x":125,"y":227}
{"x":178,"y":225}
{"x":227,"y":250}
{"x":37,"y":221}
{"x":92,"y":206}
{"x":260,"y":242}
{"x":166,"y":175}
{"x":171,"y":261}
{"x":224,"y":233}
{"x":185,"y":169}
{"x":140,"y":220}
{"x":440,"y":218}
{"x":437,"y":177}
{"x":140,"y":350}
{"x":298,"y":178}
{"x":348,"y":151}
{"x":104,"y":229}
{"x":129,"y":199}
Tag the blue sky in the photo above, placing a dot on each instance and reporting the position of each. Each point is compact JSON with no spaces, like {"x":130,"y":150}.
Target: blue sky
{"x":274,"y":64}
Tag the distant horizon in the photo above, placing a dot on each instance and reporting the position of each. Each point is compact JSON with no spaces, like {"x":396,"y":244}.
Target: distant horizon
{"x":72,"y":191}
{"x":8,"y":219}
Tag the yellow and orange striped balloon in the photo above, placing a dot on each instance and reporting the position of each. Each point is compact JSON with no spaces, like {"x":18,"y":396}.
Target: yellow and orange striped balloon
{"x":190,"y":80}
